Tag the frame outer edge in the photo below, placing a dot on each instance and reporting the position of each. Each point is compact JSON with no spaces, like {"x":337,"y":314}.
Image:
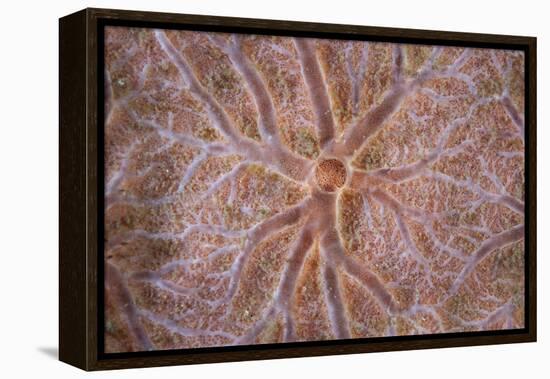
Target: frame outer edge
{"x":87,"y":347}
{"x":72,"y":178}
{"x":531,"y":180}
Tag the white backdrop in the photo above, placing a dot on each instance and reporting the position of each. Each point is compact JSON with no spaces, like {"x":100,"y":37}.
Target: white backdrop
{"x":28,"y":191}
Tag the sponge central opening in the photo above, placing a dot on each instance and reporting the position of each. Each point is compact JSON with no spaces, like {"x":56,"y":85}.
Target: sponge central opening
{"x":330,"y":174}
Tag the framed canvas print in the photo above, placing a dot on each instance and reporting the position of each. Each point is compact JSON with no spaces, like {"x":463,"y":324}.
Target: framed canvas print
{"x":236,"y":189}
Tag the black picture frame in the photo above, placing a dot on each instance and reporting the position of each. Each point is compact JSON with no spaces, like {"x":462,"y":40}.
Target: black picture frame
{"x":81,"y":189}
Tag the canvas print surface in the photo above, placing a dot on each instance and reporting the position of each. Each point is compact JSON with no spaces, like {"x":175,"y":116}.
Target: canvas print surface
{"x":266,"y":189}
